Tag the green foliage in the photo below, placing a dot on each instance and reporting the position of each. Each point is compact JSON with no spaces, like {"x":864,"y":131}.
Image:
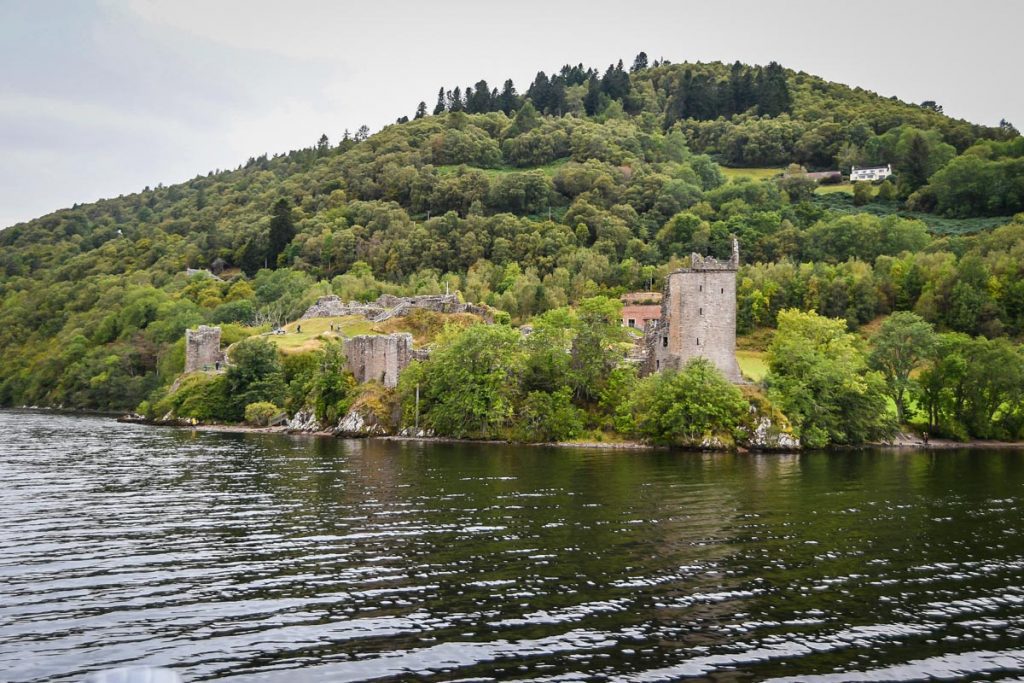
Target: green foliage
{"x":259,"y":414}
{"x":819,"y":379}
{"x":253,"y":376}
{"x":470,"y":384}
{"x":901,"y":344}
{"x":200,"y":396}
{"x":974,"y":387}
{"x":688,"y":407}
{"x":545,"y":416}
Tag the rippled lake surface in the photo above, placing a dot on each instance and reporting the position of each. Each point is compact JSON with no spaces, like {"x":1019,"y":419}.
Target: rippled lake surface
{"x":273,"y":558}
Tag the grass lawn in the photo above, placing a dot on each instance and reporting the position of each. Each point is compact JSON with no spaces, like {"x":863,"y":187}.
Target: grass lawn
{"x":833,"y":189}
{"x":316,"y":329}
{"x":752,"y":364}
{"x":752,"y":173}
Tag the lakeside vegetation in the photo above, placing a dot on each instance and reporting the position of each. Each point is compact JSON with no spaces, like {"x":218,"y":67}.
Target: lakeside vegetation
{"x":543,"y":204}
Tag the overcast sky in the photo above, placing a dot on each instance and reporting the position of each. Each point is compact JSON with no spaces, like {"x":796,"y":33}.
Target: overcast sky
{"x":101,"y":98}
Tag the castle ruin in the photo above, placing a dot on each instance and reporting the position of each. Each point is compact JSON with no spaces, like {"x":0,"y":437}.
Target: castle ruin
{"x":202,"y":349}
{"x":698,"y":317}
{"x":379,"y":357}
{"x":388,"y":306}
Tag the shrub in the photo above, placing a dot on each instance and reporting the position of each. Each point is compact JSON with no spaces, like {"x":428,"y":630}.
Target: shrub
{"x":546,"y":416}
{"x":260,"y":413}
{"x":687,"y":407}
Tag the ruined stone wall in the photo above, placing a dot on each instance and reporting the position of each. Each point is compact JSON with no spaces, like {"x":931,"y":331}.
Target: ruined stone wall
{"x":202,"y":348}
{"x":389,"y":306}
{"x":378,"y":358}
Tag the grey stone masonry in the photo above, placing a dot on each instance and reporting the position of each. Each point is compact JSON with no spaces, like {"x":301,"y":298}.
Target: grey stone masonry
{"x":698,"y":317}
{"x":202,"y":349}
{"x":389,"y":306}
{"x":379,"y":358}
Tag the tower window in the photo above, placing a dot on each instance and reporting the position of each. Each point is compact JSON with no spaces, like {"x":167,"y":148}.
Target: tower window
{"x":698,"y":341}
{"x":701,"y":288}
{"x":723,"y":290}
{"x":700,"y":311}
{"x":664,"y":342}
{"x":657,"y":365}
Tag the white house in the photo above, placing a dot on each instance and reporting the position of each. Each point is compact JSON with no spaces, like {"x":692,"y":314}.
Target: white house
{"x":869,"y":174}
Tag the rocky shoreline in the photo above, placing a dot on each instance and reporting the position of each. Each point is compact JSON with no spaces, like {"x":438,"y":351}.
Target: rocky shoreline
{"x":901,"y":441}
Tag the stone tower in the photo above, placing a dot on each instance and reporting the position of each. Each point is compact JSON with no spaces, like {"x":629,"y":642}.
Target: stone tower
{"x":202,"y":349}
{"x":698,"y":317}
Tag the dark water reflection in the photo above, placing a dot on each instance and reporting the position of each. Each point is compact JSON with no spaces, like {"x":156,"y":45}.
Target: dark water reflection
{"x":251,"y":557}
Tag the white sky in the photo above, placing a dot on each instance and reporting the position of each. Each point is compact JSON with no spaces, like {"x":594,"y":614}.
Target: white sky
{"x":103,"y":98}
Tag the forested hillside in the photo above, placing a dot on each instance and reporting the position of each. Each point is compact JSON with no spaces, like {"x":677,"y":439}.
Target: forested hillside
{"x":587,"y":183}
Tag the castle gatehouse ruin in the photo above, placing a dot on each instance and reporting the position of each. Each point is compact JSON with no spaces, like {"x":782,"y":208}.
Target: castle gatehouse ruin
{"x":698,"y":317}
{"x":202,"y":349}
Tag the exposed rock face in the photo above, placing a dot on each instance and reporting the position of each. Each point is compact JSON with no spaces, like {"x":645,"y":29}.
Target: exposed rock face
{"x":389,"y":306}
{"x":379,"y":357}
{"x":768,"y":436}
{"x":304,"y":421}
{"x":202,"y":349}
{"x":357,"y":424}
{"x":698,"y":317}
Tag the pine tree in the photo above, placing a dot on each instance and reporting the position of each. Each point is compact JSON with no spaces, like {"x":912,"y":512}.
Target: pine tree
{"x":640,"y":63}
{"x":282,"y":231}
{"x":592,"y":100}
{"x":421,"y":110}
{"x":773,"y":96}
{"x":509,"y":101}
{"x":323,"y":143}
{"x":440,"y":106}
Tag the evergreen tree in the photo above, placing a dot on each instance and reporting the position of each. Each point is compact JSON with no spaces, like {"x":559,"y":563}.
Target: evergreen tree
{"x":773,"y":97}
{"x":640,"y":63}
{"x":592,"y":100}
{"x":508,"y":101}
{"x":539,"y":91}
{"x":421,"y":110}
{"x":439,"y":108}
{"x":455,"y":101}
{"x":282,"y":231}
{"x":323,"y":143}
{"x":478,"y":99}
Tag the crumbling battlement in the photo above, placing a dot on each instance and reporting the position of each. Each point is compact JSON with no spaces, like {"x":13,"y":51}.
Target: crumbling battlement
{"x":202,"y":349}
{"x":379,"y":358}
{"x":389,"y":306}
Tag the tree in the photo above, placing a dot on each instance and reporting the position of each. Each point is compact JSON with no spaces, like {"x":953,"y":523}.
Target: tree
{"x":421,"y":110}
{"x":254,"y":375}
{"x":362,"y":133}
{"x":902,"y":343}
{"x":439,"y":108}
{"x":820,"y":380}
{"x":282,"y":231}
{"x":470,"y":384}
{"x":640,"y":63}
{"x":862,"y":193}
{"x":323,"y":143}
{"x":687,"y":407}
{"x":508,"y":101}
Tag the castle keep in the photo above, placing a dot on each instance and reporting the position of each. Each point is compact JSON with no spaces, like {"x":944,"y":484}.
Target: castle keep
{"x":698,"y":317}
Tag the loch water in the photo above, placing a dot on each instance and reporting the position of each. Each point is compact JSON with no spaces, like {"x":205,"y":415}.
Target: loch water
{"x":254,"y":557}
